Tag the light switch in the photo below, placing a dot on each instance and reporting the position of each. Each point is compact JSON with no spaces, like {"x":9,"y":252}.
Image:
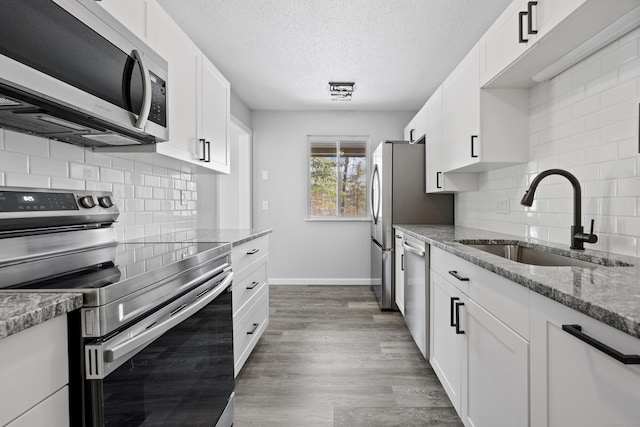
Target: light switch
{"x":265,"y":175}
{"x":265,"y":205}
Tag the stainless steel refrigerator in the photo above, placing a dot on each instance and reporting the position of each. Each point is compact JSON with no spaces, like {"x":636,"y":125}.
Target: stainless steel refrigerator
{"x":398,"y":196}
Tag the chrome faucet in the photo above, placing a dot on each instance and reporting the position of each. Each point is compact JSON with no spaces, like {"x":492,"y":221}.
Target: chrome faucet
{"x":578,"y":237}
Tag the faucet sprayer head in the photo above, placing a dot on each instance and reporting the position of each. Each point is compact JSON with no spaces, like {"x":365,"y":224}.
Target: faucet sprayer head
{"x":527,"y":199}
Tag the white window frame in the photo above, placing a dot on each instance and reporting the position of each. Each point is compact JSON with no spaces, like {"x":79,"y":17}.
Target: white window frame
{"x":338,"y":139}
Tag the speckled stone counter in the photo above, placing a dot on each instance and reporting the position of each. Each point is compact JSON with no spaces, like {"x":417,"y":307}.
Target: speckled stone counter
{"x":234,"y":236}
{"x":610,"y":294}
{"x":22,"y":310}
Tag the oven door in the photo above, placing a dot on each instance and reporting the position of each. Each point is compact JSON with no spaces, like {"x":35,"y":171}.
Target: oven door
{"x":172,"y":368}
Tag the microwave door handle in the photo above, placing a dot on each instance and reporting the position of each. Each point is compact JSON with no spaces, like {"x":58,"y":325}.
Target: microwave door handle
{"x":141,"y":122}
{"x":111,"y":354}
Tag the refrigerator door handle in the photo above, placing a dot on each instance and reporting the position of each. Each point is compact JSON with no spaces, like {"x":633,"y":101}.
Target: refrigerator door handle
{"x":375,"y":182}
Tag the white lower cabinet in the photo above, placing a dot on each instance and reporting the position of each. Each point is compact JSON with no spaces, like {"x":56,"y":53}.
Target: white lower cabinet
{"x":572,"y":382}
{"x":34,"y":371}
{"x":482,"y":362}
{"x":250,"y":297}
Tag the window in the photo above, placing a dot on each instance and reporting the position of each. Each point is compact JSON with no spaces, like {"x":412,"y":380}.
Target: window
{"x":337,"y":177}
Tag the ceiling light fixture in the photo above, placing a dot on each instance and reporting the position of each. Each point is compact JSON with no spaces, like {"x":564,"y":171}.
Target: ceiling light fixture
{"x":341,"y":91}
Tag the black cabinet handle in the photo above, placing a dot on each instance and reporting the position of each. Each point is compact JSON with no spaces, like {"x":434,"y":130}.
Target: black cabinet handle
{"x":521,"y":38}
{"x":252,"y":251}
{"x":411,"y":135}
{"x":402,"y":262}
{"x":455,"y":274}
{"x":458,"y":330}
{"x":473,"y":146}
{"x":204,"y":149}
{"x":438,"y":179}
{"x":254,"y":328}
{"x":253,"y":285}
{"x":453,"y":318}
{"x":530,"y":5}
{"x":627,"y":359}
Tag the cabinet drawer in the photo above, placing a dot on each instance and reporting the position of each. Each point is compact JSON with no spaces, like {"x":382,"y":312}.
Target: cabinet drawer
{"x":52,"y":412}
{"x":247,"y":253}
{"x":506,"y":300}
{"x":248,"y":327}
{"x":33,"y":366}
{"x":248,"y":283}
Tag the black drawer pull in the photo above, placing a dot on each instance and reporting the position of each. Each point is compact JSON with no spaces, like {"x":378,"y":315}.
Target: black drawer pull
{"x":453,"y":319}
{"x":473,"y":146}
{"x":455,"y":274}
{"x":252,"y":251}
{"x":254,"y":328}
{"x":458,"y":330}
{"x":627,"y":359}
{"x":253,"y":285}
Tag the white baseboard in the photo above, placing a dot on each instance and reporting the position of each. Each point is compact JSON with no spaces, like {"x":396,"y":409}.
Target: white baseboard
{"x":344,"y":282}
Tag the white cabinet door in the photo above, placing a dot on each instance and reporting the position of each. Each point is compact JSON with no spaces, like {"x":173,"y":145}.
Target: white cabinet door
{"x":572,"y":382}
{"x":417,"y":126}
{"x":495,"y":373}
{"x":184,"y":58}
{"x":399,"y":270}
{"x":214,"y":116}
{"x":461,"y":107}
{"x":506,"y":40}
{"x":131,"y":13}
{"x":437,"y":181}
{"x":446,"y":347}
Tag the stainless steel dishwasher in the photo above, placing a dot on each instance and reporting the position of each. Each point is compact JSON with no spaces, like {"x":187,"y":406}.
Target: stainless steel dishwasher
{"x":416,"y":305}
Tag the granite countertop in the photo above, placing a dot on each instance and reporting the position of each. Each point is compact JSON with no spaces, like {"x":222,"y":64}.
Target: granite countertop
{"x":21,"y":310}
{"x":235,"y":236}
{"x":610,"y":294}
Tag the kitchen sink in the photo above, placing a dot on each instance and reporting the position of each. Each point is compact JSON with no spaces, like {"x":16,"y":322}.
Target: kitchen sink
{"x":527,"y":253}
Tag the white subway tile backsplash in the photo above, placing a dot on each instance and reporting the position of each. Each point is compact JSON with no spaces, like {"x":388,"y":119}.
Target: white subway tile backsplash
{"x":64,"y":151}
{"x":24,"y":180}
{"x":84,"y":171}
{"x":584,"y":120}
{"x":72,"y":184}
{"x":26,"y":144}
{"x":112,"y":175}
{"x":48,"y":166}
{"x":14,"y":163}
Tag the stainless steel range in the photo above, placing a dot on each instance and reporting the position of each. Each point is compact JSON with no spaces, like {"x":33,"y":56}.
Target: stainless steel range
{"x":153,"y":341}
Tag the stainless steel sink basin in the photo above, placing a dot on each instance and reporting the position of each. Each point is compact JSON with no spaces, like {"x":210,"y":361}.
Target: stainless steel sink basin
{"x":541,"y":255}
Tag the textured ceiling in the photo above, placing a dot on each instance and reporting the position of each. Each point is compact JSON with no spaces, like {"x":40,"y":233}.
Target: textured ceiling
{"x":281,"y":54}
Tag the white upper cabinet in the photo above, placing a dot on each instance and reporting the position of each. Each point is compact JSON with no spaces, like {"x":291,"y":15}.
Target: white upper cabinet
{"x":417,"y":126}
{"x":482,"y":129}
{"x":131,"y":13}
{"x":437,"y":181}
{"x":532,"y":35}
{"x":198,"y":95}
{"x":213,"y":116}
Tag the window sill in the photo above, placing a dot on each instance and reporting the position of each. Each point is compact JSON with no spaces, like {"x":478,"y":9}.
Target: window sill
{"x":337,"y":219}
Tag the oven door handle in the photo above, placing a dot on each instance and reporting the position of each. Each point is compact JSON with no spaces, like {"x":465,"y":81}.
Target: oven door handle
{"x":111,"y":354}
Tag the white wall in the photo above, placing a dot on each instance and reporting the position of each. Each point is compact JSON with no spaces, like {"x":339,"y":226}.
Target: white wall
{"x":309,"y":251}
{"x":148,"y":197}
{"x":585,"y":120}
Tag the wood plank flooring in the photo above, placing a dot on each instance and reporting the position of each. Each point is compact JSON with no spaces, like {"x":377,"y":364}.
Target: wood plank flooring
{"x":331,"y":358}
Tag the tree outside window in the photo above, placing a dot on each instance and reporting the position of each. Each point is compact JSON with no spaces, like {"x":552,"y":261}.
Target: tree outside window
{"x":338,"y":177}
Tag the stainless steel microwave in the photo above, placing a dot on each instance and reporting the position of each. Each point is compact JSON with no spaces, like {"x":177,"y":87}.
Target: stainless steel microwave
{"x":72,"y":72}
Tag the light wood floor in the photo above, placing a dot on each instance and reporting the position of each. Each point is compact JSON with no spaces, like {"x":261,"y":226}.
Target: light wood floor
{"x":330,"y":357}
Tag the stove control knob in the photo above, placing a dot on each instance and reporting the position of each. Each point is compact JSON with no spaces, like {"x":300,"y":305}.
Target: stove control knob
{"x":105,"y":201}
{"x":87,"y":202}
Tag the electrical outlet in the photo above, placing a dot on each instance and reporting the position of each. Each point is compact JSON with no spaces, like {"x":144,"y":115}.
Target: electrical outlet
{"x":265,"y":205}
{"x":265,"y":175}
{"x":502,"y":206}
{"x":183,"y":197}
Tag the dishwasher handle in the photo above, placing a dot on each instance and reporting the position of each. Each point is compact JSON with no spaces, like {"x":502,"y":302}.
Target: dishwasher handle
{"x":417,"y":251}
